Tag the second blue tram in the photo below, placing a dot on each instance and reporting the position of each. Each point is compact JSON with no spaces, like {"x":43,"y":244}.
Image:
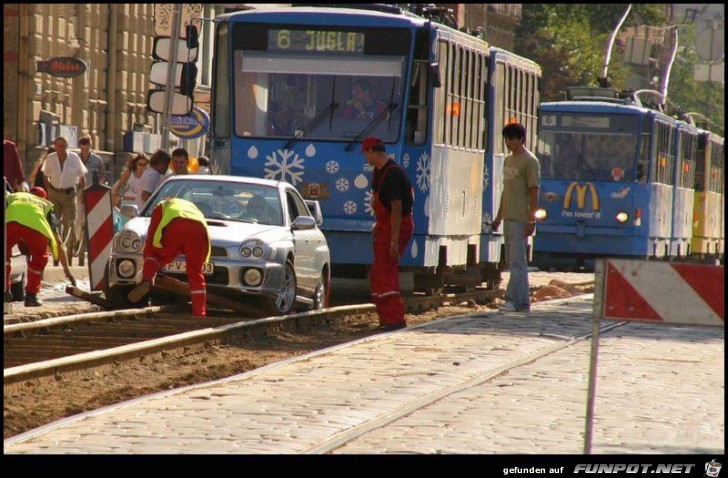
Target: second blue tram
{"x":286,"y":81}
{"x":617,"y":179}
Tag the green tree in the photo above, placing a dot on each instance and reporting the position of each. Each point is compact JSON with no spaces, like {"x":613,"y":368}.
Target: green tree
{"x":569,"y":42}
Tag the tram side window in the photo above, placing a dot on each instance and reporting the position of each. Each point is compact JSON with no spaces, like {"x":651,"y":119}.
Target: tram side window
{"x":699,"y":182}
{"x":688,"y":151}
{"x":417,"y":110}
{"x":665,"y":154}
{"x":643,"y":161}
{"x":716,"y":167}
{"x":441,"y":95}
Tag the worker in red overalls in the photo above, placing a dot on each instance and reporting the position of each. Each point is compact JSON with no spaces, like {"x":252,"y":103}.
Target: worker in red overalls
{"x":392,"y":201}
{"x":177,"y":227}
{"x":31,"y":224}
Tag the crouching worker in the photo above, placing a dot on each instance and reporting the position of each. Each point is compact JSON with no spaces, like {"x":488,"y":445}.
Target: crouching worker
{"x":31,"y":225}
{"x":177,"y":227}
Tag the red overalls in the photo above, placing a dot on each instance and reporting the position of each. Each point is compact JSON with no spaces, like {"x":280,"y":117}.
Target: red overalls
{"x":384,"y":274}
{"x":36,"y":244}
{"x":180,"y":236}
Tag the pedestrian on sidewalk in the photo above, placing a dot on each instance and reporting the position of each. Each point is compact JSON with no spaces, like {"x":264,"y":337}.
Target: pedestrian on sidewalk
{"x":65,"y":178}
{"x":392,"y":201}
{"x":30,"y":222}
{"x":150,"y":180}
{"x":177,"y":227}
{"x":92,"y":161}
{"x":517,"y":210}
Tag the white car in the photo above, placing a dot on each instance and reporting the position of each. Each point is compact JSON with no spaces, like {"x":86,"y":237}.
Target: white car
{"x":266,"y":243}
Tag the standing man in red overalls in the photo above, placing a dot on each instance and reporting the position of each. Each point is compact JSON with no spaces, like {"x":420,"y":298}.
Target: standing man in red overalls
{"x":177,"y":227}
{"x":392,"y":201}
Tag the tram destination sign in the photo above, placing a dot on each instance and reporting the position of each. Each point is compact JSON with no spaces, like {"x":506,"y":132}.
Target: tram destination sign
{"x":316,"y":41}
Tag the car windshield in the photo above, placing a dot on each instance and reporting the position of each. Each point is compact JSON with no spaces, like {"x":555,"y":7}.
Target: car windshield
{"x":230,"y":201}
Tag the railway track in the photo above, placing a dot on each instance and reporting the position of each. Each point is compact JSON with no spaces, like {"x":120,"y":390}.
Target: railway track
{"x":60,"y":345}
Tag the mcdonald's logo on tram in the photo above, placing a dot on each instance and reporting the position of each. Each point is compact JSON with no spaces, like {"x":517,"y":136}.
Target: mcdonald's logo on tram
{"x":581,"y":193}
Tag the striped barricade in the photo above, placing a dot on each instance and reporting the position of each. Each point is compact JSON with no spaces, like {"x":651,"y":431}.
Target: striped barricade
{"x":99,"y":231}
{"x":658,"y":292}
{"x":672,"y":292}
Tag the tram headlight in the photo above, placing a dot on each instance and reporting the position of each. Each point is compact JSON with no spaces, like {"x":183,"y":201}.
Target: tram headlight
{"x":540,"y":214}
{"x":622,"y":217}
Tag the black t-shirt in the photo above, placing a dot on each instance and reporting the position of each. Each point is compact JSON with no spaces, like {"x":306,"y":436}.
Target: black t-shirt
{"x":396,"y":186}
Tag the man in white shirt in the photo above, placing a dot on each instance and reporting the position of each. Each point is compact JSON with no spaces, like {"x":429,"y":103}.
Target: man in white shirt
{"x":158,"y":164}
{"x":64,"y":180}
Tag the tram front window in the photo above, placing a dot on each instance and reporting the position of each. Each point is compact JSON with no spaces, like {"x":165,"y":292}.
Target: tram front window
{"x":317,"y":98}
{"x":587,"y":157}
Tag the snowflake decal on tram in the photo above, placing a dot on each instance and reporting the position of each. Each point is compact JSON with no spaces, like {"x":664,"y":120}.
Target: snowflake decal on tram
{"x":350,"y":207}
{"x":332,"y":167}
{"x":283,"y":164}
{"x":423,"y":172}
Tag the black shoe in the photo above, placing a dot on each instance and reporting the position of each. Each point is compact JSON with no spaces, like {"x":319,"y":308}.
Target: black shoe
{"x":390,"y":327}
{"x":31,"y":300}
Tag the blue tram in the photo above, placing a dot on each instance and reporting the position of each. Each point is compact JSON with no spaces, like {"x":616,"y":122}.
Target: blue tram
{"x":288,"y":91}
{"x":617,"y":178}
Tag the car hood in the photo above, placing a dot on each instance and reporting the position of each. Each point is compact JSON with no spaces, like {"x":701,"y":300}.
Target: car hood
{"x":222,"y":233}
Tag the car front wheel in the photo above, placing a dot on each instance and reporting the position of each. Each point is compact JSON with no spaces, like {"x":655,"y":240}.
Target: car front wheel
{"x":321,"y":295}
{"x":283,"y":303}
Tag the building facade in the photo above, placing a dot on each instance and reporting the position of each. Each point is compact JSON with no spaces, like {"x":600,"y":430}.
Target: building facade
{"x":107,"y":101}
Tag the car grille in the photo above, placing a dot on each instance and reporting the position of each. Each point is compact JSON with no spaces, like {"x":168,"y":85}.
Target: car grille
{"x":219,"y":277}
{"x":218,"y":252}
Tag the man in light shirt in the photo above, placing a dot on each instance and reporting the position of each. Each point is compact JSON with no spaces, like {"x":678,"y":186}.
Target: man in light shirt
{"x":151,"y":179}
{"x":65,"y":178}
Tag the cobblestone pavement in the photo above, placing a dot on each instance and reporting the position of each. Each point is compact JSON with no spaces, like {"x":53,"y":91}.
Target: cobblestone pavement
{"x":481,"y":383}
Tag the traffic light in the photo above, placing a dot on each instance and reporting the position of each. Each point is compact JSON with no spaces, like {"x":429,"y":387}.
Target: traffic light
{"x":184,"y":75}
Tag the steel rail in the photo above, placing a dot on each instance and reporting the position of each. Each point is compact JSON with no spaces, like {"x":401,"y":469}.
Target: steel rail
{"x":87,"y":360}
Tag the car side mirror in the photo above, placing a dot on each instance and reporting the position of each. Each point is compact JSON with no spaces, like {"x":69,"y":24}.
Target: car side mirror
{"x":303,"y":223}
{"x":315,"y":209}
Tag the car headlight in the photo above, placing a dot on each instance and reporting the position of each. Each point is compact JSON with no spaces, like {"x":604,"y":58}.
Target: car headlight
{"x":254,"y":249}
{"x":128,"y":241}
{"x":540,"y":214}
{"x":622,"y":217}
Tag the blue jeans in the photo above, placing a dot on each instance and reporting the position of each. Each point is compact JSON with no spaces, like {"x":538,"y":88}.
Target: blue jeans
{"x":516,"y":243}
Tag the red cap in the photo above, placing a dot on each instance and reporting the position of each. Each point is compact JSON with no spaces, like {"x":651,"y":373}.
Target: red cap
{"x":39,"y":191}
{"x":370,"y":143}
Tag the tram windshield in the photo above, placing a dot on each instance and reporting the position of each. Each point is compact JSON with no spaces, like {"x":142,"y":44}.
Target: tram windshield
{"x":588,"y":156}
{"x":313,"y":84}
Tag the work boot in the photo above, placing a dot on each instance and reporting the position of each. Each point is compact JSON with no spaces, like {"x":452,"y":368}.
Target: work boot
{"x":138,"y":292}
{"x":31,"y":300}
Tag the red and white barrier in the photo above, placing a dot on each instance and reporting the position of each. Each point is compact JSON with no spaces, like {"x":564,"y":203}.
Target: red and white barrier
{"x":660,"y":291}
{"x":99,"y":231}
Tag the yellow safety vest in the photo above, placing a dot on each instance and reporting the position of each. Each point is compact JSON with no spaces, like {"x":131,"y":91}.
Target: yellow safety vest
{"x":173,"y":208}
{"x":31,"y":211}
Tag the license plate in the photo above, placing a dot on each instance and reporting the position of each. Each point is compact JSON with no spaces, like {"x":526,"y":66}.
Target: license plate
{"x":181,"y":266}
